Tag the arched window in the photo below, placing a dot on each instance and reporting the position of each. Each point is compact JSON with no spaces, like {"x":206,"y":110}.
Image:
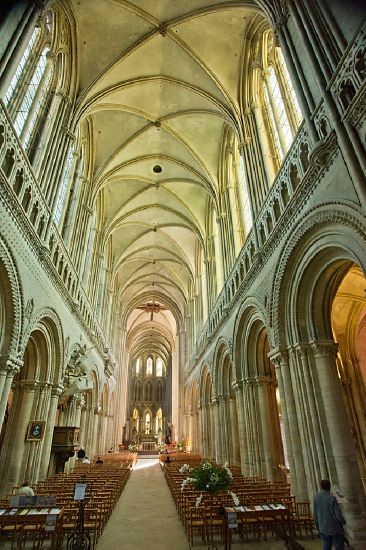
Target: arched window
{"x":147,"y":423}
{"x":281,"y":112}
{"x":243,"y":194}
{"x":64,"y":185}
{"x":159,"y":367}
{"x":137,"y":366}
{"x":218,"y":251}
{"x":19,"y":73}
{"x":149,"y":366}
{"x":29,"y":89}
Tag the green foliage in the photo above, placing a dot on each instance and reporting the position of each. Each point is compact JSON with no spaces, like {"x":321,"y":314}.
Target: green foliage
{"x":210,"y":477}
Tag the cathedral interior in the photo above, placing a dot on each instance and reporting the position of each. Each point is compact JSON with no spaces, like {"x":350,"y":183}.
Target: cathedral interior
{"x":183,"y":236}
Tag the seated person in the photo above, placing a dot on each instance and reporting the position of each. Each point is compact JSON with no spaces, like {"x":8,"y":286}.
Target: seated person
{"x":85,"y":460}
{"x":99,"y":460}
{"x":26,"y":490}
{"x":167,"y":460}
{"x":81,"y":454}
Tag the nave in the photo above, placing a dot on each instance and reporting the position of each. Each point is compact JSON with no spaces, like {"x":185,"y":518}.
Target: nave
{"x":145,"y":516}
{"x":129,"y":502}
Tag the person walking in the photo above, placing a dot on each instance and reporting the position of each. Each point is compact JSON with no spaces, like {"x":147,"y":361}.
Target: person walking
{"x":329,"y":520}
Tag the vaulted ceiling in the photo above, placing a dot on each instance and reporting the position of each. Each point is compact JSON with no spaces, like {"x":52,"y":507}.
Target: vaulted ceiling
{"x":159,"y":81}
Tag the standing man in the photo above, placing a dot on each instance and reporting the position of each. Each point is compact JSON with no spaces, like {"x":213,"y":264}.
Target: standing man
{"x":328,"y":518}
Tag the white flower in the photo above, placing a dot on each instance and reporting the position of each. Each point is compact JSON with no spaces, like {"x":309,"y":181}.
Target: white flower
{"x":235,"y":498}
{"x":186,"y":482}
{"x":226,"y":466}
{"x":185,"y":468}
{"x":198,"y":501}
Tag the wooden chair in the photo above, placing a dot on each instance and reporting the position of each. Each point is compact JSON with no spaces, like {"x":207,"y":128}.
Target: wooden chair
{"x":9,"y":531}
{"x":303,"y":518}
{"x":195,"y":524}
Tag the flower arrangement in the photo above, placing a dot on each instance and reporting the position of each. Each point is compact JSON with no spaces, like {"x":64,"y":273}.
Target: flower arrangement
{"x":181,"y":444}
{"x":133,"y":447}
{"x":208,"y":477}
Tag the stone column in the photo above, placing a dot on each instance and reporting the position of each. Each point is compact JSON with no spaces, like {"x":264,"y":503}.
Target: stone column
{"x":190,"y":428}
{"x":104,"y":428}
{"x":96,"y":432}
{"x":267,"y":421}
{"x":228,"y":443}
{"x":3,"y":375}
{"x":89,"y":430}
{"x":251,"y":410}
{"x":217,"y":429}
{"x":238,"y":387}
{"x":35,"y":451}
{"x":235,"y":456}
{"x":246,"y":422}
{"x":17,"y":444}
{"x":83,"y":422}
{"x":6,"y":379}
{"x":78,"y":408}
{"x":198,"y":423}
{"x":294,"y":449}
{"x":315,"y":445}
{"x":341,"y":456}
{"x":74,"y":410}
{"x":48,"y":436}
{"x":204,"y":430}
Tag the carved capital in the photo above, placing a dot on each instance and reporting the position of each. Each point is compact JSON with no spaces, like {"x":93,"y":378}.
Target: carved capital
{"x":279,"y":357}
{"x":238,"y":386}
{"x":57,"y":390}
{"x":28,"y":386}
{"x":324,"y":348}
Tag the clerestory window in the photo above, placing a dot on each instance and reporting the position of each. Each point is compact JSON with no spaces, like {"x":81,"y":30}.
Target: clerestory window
{"x":29,"y":89}
{"x":281,"y":108}
{"x":65,"y":181}
{"x":159,"y":367}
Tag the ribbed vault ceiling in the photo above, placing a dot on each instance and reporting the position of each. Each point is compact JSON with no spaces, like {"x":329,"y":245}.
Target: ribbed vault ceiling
{"x":158,"y":83}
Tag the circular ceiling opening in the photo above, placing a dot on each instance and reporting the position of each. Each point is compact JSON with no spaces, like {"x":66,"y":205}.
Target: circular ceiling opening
{"x":157,"y":169}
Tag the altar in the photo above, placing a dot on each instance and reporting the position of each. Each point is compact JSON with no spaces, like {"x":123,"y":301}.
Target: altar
{"x":147,"y":442}
{"x":148,"y":446}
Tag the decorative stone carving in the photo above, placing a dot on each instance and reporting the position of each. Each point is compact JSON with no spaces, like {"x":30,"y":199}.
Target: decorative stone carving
{"x":109,"y":363}
{"x":8,"y":269}
{"x":29,"y":308}
{"x":77,"y":377}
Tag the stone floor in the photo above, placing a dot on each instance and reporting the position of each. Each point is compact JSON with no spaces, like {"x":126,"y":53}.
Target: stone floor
{"x":145,"y":517}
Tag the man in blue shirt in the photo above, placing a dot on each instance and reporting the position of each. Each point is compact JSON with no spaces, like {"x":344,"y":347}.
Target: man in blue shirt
{"x":328,"y":518}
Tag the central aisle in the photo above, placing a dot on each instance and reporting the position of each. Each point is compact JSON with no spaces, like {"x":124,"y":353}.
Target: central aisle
{"x":145,"y":516}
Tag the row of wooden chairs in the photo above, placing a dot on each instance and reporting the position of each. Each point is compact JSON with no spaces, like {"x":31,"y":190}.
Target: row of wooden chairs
{"x":105,"y":483}
{"x":201,"y":520}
